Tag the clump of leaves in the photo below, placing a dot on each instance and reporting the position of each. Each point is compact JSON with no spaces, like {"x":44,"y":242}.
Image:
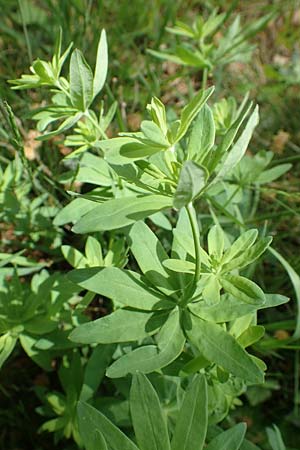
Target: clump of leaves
{"x":150,"y":425}
{"x":202,"y":46}
{"x":72,"y":98}
{"x":28,"y":312}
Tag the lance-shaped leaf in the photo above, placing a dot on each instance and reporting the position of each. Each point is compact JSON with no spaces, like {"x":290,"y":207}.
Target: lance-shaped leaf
{"x":215,"y":241}
{"x":125,"y":149}
{"x":123,"y":286}
{"x":81,"y":81}
{"x":7,"y":344}
{"x":229,"y":136}
{"x":192,"y":421}
{"x":251,"y":335}
{"x":191,"y":181}
{"x":101,"y":65}
{"x":232,"y":309}
{"x":91,"y":420}
{"x":73,"y":211}
{"x":243,"y":289}
{"x":95,"y":441}
{"x":239,"y":148}
{"x":123,"y":325}
{"x":64,"y":126}
{"x":218,"y":346}
{"x":95,"y":370}
{"x":147,"y":359}
{"x":190,"y":111}
{"x":74,"y":257}
{"x":154,"y":133}
{"x":202,"y":137}
{"x":240,"y":245}
{"x":149,"y":421}
{"x":267,"y":176}
{"x":230,"y":439}
{"x":249,"y":256}
{"x":178,"y":265}
{"x":120,"y":212}
{"x":150,"y":256}
{"x":275,"y":438}
{"x":211,"y":291}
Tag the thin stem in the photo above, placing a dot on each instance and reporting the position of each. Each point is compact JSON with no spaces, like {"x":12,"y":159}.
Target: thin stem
{"x":102,"y":133}
{"x":229,"y":200}
{"x":194,"y":225}
{"x":192,"y":286}
{"x":204,"y":78}
{"x":28,"y":45}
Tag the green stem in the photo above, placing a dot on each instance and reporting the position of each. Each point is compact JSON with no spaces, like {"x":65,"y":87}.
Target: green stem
{"x":195,"y":231}
{"x":102,"y":133}
{"x":28,"y":45}
{"x":190,"y":289}
{"x":204,"y":78}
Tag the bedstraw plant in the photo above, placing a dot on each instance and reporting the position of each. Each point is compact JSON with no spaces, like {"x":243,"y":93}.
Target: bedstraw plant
{"x":183,"y":306}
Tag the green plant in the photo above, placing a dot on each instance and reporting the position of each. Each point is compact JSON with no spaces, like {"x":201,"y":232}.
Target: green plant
{"x":71,"y":99}
{"x":29,"y":312}
{"x":170,"y":205}
{"x":201,"y":45}
{"x":275,"y":438}
{"x":79,"y":382}
{"x":150,"y":426}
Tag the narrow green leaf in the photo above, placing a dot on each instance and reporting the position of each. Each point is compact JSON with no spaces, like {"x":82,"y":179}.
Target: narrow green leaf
{"x":64,"y":126}
{"x":123,"y":325}
{"x":190,"y":111}
{"x":215,"y":240}
{"x":191,"y":181}
{"x":243,"y":289}
{"x":239,"y":148}
{"x":150,"y":256}
{"x":202,"y":137}
{"x":275,"y":438}
{"x":147,"y":359}
{"x":136,"y":150}
{"x":230,"y":439}
{"x":158,"y":114}
{"x":229,"y":137}
{"x":231,"y":309}
{"x":251,"y":335}
{"x":149,"y":421}
{"x":91,"y":420}
{"x":81,"y":81}
{"x":220,"y":347}
{"x":93,"y":252}
{"x":211,"y":291}
{"x":95,"y":370}
{"x":248,"y":256}
{"x":101,"y":65}
{"x":7,"y":344}
{"x":165,"y":56}
{"x":267,"y":176}
{"x":74,"y":257}
{"x":178,"y":265}
{"x":72,"y":212}
{"x":98,"y":442}
{"x":123,"y":286}
{"x":153,"y":132}
{"x":240,"y":245}
{"x":120,"y":212}
{"x":192,"y":421}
